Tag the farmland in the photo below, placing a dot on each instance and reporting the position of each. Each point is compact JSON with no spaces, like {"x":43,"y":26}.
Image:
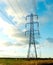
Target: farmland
{"x":24,"y":61}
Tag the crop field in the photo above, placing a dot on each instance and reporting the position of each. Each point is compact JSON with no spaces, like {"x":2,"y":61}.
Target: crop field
{"x":24,"y":61}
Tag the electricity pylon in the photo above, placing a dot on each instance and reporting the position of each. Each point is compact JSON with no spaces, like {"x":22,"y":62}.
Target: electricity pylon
{"x":33,"y":33}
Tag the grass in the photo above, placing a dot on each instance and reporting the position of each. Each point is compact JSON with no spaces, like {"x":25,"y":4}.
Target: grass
{"x":22,"y":61}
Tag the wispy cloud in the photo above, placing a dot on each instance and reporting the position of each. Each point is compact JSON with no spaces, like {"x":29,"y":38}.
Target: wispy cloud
{"x":50,"y":40}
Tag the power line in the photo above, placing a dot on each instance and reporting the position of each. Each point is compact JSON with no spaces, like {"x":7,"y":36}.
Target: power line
{"x":7,"y":18}
{"x":13,"y":8}
{"x":21,"y":9}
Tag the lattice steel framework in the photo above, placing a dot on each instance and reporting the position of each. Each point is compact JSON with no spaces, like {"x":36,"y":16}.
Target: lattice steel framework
{"x":33,"y":33}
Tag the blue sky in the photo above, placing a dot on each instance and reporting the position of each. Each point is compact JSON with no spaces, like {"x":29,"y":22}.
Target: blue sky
{"x":12,"y":21}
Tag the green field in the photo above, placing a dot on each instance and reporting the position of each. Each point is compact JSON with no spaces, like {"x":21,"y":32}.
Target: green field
{"x":22,"y":61}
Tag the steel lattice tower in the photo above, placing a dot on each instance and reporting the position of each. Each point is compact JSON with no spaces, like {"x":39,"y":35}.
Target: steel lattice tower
{"x":32,"y":31}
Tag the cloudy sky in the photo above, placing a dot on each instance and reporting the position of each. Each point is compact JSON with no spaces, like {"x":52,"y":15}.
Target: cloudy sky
{"x":13,"y":42}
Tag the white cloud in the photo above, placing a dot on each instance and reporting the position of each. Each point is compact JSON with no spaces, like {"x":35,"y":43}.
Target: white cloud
{"x":6,"y":32}
{"x":17,"y":51}
{"x":9,"y":32}
{"x":7,"y":28}
{"x":45,"y":49}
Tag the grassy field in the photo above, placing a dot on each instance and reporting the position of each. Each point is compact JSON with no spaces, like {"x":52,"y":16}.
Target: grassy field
{"x":22,"y":61}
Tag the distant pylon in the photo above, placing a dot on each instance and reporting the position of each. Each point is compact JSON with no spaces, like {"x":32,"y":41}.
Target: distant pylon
{"x":33,"y":33}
